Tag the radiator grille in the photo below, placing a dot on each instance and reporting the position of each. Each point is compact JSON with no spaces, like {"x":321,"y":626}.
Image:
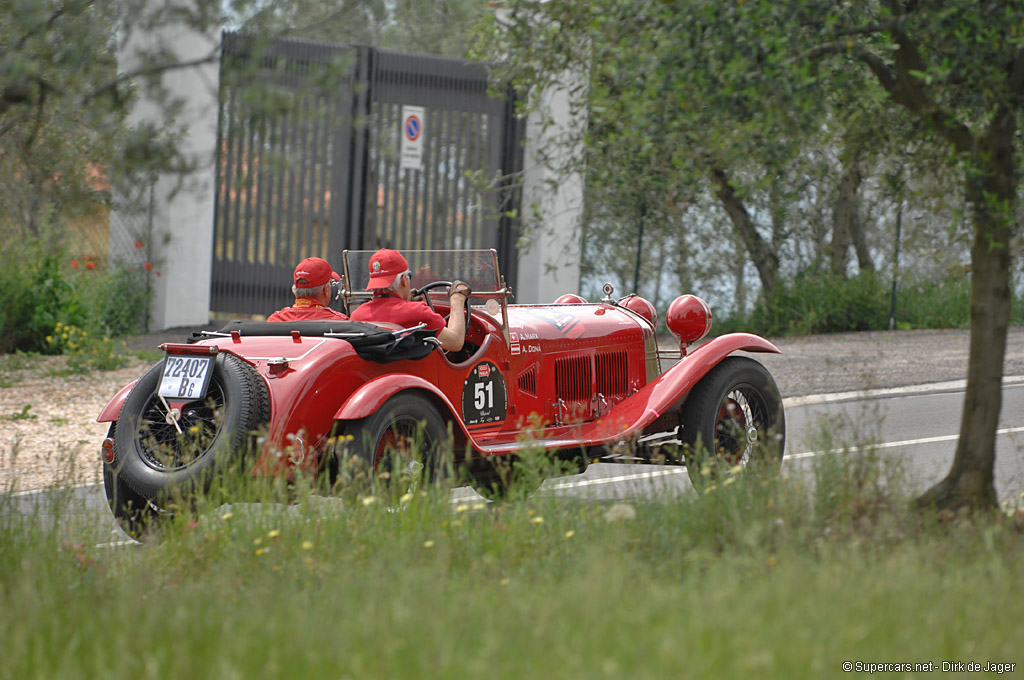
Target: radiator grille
{"x":572,"y":378}
{"x":612,"y":374}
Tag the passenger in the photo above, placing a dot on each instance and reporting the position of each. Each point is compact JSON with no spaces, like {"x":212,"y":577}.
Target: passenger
{"x":391,"y":283}
{"x":313,"y":290}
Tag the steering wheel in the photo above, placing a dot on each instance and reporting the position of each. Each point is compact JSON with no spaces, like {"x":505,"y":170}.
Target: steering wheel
{"x":422,"y":292}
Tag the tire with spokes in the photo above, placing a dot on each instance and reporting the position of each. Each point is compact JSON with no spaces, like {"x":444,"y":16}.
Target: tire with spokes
{"x":733,"y":417}
{"x":403,"y":445}
{"x":157,"y":456}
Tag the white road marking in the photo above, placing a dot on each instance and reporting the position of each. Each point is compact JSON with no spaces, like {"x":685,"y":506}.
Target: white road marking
{"x":949,"y":386}
{"x":675,"y":470}
{"x":890,"y":445}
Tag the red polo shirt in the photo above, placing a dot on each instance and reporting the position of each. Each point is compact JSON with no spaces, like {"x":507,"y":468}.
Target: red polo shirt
{"x":306,"y":309}
{"x":405,"y":313}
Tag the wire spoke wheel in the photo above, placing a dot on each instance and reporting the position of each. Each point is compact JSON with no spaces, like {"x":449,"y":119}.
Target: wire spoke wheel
{"x":164,"y":447}
{"x":733,"y":417}
{"x":402,"y":445}
{"x":162,"y":451}
{"x":397,"y":463}
{"x":742,"y":413}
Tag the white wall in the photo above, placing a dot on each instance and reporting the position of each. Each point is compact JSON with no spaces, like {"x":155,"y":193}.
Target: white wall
{"x":549,"y":262}
{"x":173,"y":216}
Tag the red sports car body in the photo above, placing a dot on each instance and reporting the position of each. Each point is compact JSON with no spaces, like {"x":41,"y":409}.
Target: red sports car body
{"x":577,"y":379}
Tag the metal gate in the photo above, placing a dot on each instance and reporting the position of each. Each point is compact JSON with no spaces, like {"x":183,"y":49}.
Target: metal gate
{"x":309,"y":144}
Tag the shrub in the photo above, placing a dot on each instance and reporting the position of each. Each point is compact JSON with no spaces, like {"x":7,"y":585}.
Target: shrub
{"x":41,"y":289}
{"x":86,"y":350}
{"x":822,"y":302}
{"x":923,"y":303}
{"x":34,"y":295}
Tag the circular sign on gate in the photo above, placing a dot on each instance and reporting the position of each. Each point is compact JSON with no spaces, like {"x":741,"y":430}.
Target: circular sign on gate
{"x":413,"y":127}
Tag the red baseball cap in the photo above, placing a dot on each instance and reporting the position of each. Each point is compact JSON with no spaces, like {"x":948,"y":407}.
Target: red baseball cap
{"x":385,"y":266}
{"x":313,"y":272}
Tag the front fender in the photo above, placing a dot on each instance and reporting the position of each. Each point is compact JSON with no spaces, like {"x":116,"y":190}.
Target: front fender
{"x":665,"y":392}
{"x":112,"y":410}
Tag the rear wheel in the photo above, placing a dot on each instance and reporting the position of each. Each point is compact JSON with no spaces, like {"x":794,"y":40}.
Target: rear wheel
{"x":132,"y":512}
{"x":157,"y":456}
{"x":733,"y":417}
{"x":403,"y":446}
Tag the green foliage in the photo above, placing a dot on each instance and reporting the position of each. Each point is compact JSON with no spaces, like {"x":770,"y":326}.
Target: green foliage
{"x":117,"y":300}
{"x":822,"y":302}
{"x":51,"y":303}
{"x":35,"y":293}
{"x":934,"y":304}
{"x":85,"y":350}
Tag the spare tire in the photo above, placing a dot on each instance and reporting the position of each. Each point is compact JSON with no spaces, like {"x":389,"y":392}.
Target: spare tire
{"x":154,"y":459}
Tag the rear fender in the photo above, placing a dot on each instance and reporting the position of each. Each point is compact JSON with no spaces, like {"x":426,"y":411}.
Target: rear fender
{"x":112,"y":410}
{"x":668,"y":391}
{"x":365,"y":401}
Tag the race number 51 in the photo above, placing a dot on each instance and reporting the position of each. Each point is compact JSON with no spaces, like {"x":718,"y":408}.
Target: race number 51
{"x":484,"y":399}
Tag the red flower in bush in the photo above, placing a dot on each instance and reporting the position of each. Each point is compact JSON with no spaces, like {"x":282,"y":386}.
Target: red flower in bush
{"x":139,"y":244}
{"x":148,"y":266}
{"x":90,"y":265}
{"x":74,"y":264}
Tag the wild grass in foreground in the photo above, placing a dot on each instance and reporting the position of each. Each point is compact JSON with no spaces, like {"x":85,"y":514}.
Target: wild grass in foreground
{"x":754,"y":575}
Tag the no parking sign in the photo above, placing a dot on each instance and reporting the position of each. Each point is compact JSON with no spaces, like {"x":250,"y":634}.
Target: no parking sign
{"x":413,"y":124}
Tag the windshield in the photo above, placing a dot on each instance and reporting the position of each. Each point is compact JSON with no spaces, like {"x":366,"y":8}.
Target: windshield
{"x":478,"y":268}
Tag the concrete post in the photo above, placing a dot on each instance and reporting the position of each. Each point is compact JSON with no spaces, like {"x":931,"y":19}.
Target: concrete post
{"x":549,"y":261}
{"x":167,"y":220}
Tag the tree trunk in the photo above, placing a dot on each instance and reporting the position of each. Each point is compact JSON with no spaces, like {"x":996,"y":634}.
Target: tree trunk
{"x":843,"y":214}
{"x":860,"y":245}
{"x":969,"y":483}
{"x":765,"y":259}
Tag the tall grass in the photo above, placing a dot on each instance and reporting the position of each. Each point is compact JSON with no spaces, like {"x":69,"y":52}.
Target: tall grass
{"x":758,"y":576}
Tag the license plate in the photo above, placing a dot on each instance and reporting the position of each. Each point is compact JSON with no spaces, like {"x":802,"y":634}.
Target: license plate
{"x":185,"y":377}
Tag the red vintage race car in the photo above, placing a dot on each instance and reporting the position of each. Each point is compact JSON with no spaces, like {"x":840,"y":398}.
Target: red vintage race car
{"x":578,"y":380}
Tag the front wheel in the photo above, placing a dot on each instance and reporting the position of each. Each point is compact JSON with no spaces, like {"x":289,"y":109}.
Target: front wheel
{"x":733,"y":417}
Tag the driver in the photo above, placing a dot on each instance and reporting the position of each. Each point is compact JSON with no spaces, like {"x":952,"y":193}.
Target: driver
{"x":391,"y":283}
{"x":314,"y":287}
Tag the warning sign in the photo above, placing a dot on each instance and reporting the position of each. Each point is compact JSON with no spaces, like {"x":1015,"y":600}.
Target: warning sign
{"x":413,"y":124}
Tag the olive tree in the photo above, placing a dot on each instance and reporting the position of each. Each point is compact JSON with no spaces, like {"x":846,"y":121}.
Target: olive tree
{"x":740,"y":85}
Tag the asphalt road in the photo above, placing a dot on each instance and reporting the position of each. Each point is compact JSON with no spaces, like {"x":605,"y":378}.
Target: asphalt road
{"x":916,"y":426}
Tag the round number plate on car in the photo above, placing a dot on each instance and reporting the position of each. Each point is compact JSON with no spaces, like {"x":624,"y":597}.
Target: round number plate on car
{"x":484,"y":399}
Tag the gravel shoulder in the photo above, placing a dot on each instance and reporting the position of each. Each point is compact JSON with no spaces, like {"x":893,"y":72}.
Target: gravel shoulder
{"x":57,"y":440}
